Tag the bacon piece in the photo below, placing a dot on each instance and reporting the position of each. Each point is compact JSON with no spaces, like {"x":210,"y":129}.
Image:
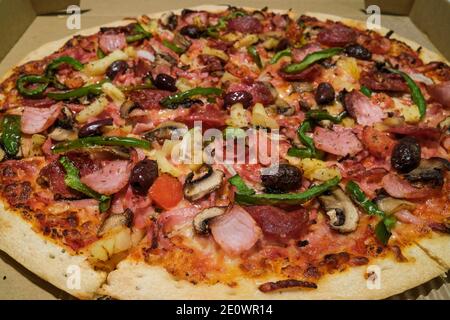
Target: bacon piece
{"x":279,"y":225}
{"x":378,"y":143}
{"x":400,"y":188}
{"x":149,"y":98}
{"x":110,"y":42}
{"x":337,"y":35}
{"x":298,"y":54}
{"x":111,"y":178}
{"x":280,"y":21}
{"x":35,"y":120}
{"x":286,"y":284}
{"x":209,"y":116}
{"x":235,"y":231}
{"x":374,"y":42}
{"x":440,"y":93}
{"x":259,"y":91}
{"x":177,"y":217}
{"x":418,"y":132}
{"x":37,"y":103}
{"x":381,"y":81}
{"x":142,"y":68}
{"x":309,"y":74}
{"x":362,"y":109}
{"x":53,"y":175}
{"x":245,"y":24}
{"x":194,"y":17}
{"x":339,"y":141}
{"x":211,"y":63}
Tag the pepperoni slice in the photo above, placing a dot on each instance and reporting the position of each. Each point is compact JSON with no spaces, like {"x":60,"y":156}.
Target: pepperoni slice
{"x":246,"y":24}
{"x":279,"y":225}
{"x":337,"y":35}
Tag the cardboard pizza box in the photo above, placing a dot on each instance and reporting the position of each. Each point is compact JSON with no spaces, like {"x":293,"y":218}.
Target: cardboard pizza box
{"x":27,"y":24}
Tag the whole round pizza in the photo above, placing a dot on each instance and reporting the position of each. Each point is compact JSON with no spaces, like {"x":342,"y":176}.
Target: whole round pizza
{"x":221,"y":152}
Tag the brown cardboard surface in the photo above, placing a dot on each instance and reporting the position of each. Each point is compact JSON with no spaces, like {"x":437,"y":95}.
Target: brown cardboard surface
{"x":436,"y":28}
{"x":18,"y":283}
{"x":402,"y":7}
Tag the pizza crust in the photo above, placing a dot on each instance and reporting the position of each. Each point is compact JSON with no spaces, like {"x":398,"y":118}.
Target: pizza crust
{"x":44,"y":258}
{"x":137,"y":280}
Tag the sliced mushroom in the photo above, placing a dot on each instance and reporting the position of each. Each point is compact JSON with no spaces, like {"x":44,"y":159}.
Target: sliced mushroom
{"x":169,"y":21}
{"x":127,"y":107}
{"x":165,"y":59}
{"x":429,"y":172}
{"x":284,"y":108}
{"x":204,"y":181}
{"x":123,"y":219}
{"x":166,"y":131}
{"x":339,"y":208}
{"x":302,"y":87}
{"x":65,"y":119}
{"x":392,"y":205}
{"x":181,"y":41}
{"x":60,"y":134}
{"x":202,"y":219}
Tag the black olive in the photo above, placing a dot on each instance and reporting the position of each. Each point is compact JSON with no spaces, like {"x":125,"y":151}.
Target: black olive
{"x":324,"y":93}
{"x":192,"y":32}
{"x":115,"y":68}
{"x":165,"y":82}
{"x":283,"y":179}
{"x":283,"y":44}
{"x":357,"y":51}
{"x":172,"y":22}
{"x":93,"y":128}
{"x":406,"y":155}
{"x":143,"y":175}
{"x":243,"y":97}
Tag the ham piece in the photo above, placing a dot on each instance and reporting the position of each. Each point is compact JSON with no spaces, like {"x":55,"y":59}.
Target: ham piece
{"x":110,"y":42}
{"x":235,"y":231}
{"x":400,"y":188}
{"x":111,"y":178}
{"x":35,"y":120}
{"x":362,"y":109}
{"x":339,"y":141}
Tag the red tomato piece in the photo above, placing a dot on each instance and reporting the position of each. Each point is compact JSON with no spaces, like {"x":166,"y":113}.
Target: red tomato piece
{"x":166,"y":191}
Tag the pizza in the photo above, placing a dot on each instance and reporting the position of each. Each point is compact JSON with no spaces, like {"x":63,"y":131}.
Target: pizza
{"x":342,"y":191}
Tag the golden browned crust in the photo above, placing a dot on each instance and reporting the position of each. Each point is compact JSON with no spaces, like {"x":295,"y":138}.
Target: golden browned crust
{"x":45,"y":258}
{"x":137,"y":280}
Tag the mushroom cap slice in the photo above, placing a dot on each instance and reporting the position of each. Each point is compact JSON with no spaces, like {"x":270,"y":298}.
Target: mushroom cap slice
{"x":339,"y":208}
{"x":198,"y":188}
{"x":203,"y":217}
{"x":391,"y":205}
{"x":123,"y":219}
{"x":429,"y":172}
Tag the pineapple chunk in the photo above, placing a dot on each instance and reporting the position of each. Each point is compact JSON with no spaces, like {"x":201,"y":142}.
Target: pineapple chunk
{"x":315,"y":169}
{"x":238,"y":116}
{"x":260,"y":118}
{"x":98,"y":67}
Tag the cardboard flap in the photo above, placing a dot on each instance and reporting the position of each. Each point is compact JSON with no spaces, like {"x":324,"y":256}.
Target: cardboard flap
{"x":434,"y":20}
{"x":51,"y":6}
{"x":400,"y":7}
